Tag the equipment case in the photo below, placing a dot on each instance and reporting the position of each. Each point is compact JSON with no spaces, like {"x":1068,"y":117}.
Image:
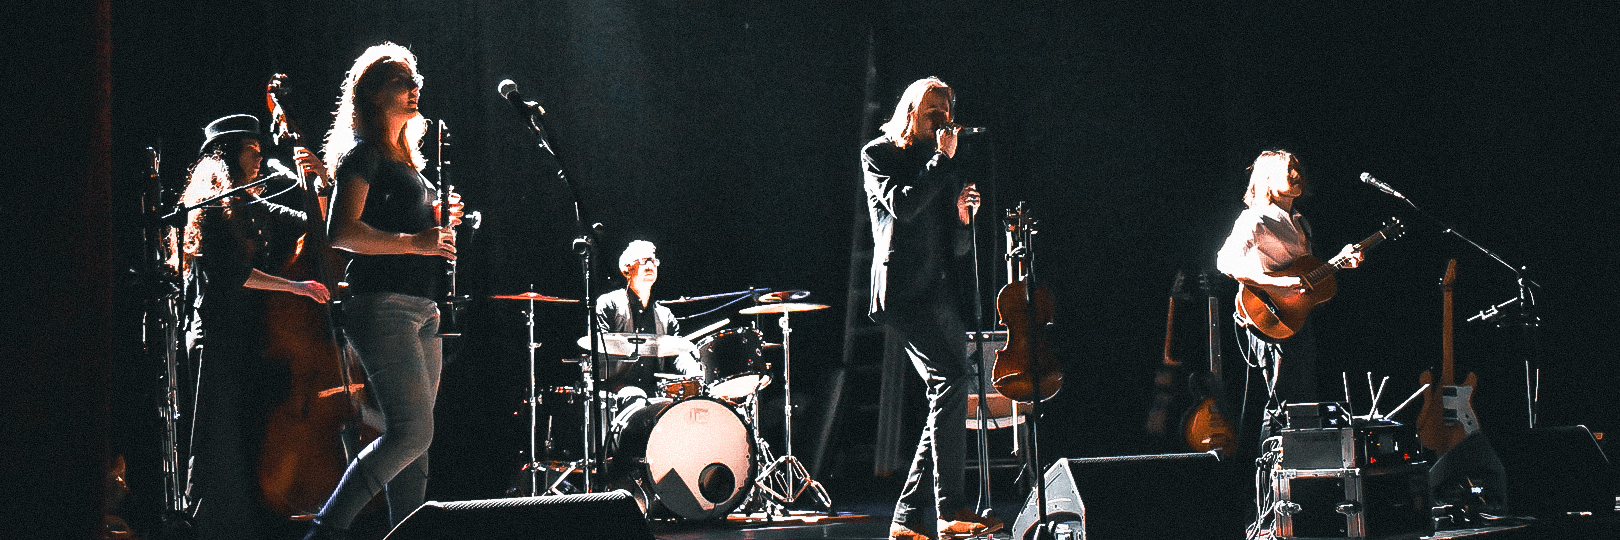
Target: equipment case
{"x":1351,"y":503}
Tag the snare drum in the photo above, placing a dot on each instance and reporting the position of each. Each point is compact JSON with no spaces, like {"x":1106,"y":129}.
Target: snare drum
{"x":686,"y":387}
{"x":692,"y":458}
{"x":733,"y":363}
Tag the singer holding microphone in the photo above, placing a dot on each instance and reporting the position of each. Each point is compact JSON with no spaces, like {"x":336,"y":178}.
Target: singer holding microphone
{"x":384,"y":215}
{"x":1268,"y":236}
{"x":919,"y":208}
{"x":228,"y":250}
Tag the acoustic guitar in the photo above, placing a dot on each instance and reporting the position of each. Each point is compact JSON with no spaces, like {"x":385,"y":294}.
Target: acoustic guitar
{"x":1448,"y":408}
{"x":1279,"y":312}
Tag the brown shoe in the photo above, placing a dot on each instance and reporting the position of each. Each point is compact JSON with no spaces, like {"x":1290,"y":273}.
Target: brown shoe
{"x":966,"y":524}
{"x":901,"y":532}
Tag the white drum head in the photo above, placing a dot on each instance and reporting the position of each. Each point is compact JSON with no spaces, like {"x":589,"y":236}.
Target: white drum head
{"x":699,"y":458}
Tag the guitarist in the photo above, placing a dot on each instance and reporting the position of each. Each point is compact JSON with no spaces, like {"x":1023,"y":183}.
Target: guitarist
{"x":1269,"y":236}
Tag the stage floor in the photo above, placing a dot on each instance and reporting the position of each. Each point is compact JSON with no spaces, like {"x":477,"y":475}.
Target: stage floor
{"x":870,"y":521}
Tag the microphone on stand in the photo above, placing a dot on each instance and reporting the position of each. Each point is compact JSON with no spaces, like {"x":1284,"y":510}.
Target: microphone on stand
{"x":508,"y":90}
{"x":1367,"y":178}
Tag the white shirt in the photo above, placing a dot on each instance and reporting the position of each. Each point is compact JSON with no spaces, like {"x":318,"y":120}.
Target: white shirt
{"x":1264,"y":239}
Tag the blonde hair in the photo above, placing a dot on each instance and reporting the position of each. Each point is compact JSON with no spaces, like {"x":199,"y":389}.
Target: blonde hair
{"x":1269,"y":175}
{"x":901,"y":123}
{"x":356,"y":117}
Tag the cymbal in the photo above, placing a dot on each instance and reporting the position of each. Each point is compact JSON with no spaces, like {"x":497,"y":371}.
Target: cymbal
{"x":784,"y":307}
{"x":626,"y":344}
{"x":537,"y":297}
{"x":781,"y":296}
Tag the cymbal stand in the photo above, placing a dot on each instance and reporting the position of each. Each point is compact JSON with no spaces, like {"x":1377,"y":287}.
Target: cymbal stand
{"x":534,"y":406}
{"x":785,"y":479}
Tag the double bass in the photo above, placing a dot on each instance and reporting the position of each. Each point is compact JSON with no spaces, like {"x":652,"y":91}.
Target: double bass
{"x":1026,"y":370}
{"x":313,"y":433}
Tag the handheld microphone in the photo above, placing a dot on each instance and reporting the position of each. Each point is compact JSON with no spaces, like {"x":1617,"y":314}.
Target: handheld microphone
{"x":971,"y":130}
{"x":275,"y":165}
{"x":508,"y":90}
{"x":1367,"y":178}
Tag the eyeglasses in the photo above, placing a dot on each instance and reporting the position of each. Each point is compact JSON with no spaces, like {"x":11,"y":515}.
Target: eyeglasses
{"x":646,"y":261}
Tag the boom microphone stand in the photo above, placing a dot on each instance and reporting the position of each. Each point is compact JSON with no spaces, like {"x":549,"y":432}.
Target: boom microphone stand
{"x":1522,"y":314}
{"x":584,"y":246}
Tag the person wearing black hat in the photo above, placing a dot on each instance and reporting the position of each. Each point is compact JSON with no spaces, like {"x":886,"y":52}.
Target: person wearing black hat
{"x":230,"y":249}
{"x":384,"y":215}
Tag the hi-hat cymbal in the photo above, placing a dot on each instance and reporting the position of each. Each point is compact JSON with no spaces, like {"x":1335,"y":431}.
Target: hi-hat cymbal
{"x":537,"y":297}
{"x":623,"y":344}
{"x":781,"y":296}
{"x":784,"y":307}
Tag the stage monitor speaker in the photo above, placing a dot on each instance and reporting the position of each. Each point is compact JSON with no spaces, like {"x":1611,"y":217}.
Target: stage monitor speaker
{"x":612,"y":515}
{"x":1554,"y":470}
{"x":1155,"y":496}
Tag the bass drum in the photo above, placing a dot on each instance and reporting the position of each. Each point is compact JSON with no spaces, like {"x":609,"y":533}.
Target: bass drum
{"x":693,"y":459}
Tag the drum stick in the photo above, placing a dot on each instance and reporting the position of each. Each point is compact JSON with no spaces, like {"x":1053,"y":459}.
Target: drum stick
{"x":710,"y":328}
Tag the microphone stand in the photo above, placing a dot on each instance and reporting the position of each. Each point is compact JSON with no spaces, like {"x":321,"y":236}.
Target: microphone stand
{"x":1524,"y":317}
{"x":986,"y":508}
{"x":180,"y":212}
{"x":584,"y":246}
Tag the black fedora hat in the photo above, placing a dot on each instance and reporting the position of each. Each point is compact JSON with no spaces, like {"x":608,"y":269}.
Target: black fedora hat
{"x":243,"y":125}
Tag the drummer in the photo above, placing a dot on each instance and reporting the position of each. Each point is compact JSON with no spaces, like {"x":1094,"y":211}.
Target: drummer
{"x":632,"y":310}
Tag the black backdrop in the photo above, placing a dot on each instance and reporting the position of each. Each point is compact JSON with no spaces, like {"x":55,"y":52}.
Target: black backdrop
{"x":728,"y":134}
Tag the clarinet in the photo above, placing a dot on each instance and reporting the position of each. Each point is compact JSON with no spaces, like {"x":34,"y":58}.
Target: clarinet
{"x":448,"y":325}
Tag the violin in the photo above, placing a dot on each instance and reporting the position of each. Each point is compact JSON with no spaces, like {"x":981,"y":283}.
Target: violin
{"x":1026,"y":369}
{"x":314,"y":432}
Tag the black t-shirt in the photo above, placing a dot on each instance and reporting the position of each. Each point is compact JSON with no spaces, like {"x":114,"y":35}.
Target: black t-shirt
{"x":399,"y":200}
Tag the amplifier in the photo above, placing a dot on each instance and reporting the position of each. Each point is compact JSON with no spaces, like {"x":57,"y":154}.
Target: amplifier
{"x":1316,"y":415}
{"x":1366,"y":445}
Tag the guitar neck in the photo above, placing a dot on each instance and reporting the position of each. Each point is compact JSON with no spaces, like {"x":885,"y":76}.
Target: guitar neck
{"x":1448,"y":360}
{"x":1214,"y":337}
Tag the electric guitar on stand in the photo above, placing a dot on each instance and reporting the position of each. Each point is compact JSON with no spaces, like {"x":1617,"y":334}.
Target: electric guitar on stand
{"x":1279,"y":313}
{"x":1448,"y":408}
{"x":1204,"y":426}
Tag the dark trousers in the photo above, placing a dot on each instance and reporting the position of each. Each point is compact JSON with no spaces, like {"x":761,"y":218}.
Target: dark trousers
{"x":936,"y":342}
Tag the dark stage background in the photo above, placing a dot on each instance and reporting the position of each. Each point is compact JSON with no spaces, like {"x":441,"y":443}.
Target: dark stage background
{"x":727,"y":133}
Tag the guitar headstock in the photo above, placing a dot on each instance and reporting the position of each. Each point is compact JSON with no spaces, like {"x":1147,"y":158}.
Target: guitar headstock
{"x":1176,"y":287}
{"x":1393,"y":229}
{"x":1451,"y":275}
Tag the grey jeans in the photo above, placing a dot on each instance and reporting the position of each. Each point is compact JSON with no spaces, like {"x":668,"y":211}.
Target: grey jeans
{"x":397,"y":339}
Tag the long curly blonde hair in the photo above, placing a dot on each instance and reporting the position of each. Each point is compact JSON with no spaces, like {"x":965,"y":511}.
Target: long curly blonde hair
{"x":357,"y":118}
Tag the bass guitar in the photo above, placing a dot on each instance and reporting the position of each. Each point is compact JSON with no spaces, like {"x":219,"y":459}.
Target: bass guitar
{"x":1448,"y":408}
{"x":1279,"y":312}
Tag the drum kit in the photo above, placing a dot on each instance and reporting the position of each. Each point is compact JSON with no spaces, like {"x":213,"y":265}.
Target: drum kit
{"x":685,"y":445}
